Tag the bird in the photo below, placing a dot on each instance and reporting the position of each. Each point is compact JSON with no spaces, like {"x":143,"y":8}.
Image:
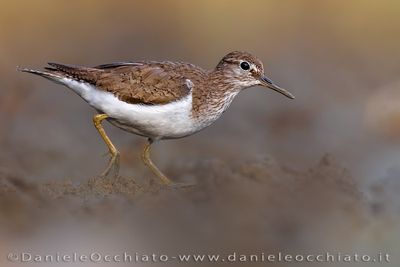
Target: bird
{"x":159,"y":99}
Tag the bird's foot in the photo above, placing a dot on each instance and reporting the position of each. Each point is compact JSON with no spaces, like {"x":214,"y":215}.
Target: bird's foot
{"x":112,"y":169}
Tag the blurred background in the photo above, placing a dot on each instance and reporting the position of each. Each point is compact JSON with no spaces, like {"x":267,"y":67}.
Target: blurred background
{"x":320,"y":171}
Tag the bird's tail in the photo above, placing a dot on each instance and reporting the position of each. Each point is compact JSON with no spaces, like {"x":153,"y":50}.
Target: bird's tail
{"x":51,"y":75}
{"x":63,"y":73}
{"x":74,"y":77}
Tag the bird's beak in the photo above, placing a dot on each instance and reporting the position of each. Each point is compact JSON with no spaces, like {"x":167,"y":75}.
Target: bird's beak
{"x":265,"y":81}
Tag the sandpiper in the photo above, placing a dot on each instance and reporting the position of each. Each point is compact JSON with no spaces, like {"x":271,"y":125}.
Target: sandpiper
{"x":159,"y":100}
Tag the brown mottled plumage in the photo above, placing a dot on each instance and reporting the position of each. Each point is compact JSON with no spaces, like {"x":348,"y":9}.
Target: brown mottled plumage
{"x":136,"y":83}
{"x":160,"y":100}
{"x":153,"y":83}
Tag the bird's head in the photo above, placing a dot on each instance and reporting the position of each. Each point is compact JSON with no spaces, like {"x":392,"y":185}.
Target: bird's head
{"x":243,"y":70}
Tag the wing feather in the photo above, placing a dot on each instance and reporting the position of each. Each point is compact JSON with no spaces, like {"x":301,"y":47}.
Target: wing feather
{"x":133,"y":82}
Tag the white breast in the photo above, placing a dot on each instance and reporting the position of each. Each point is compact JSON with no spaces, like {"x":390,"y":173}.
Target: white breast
{"x":172,"y":120}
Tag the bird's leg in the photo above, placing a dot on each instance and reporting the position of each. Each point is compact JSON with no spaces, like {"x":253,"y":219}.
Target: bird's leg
{"x":150,"y":164}
{"x":113,"y":164}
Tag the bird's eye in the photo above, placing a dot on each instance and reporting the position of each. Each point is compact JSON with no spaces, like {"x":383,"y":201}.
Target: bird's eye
{"x":245,"y":65}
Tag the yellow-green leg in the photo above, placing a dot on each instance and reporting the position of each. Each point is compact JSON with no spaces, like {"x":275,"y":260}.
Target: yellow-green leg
{"x":113,"y":164}
{"x":146,"y":158}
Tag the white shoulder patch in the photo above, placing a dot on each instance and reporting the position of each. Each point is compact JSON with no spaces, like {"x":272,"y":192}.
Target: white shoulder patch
{"x":189,"y":84}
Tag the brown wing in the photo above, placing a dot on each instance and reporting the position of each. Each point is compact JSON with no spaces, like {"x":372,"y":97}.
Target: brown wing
{"x":145,"y":83}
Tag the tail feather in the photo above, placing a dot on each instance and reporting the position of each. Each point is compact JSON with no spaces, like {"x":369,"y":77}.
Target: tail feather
{"x":58,"y":71}
{"x":60,"y":77}
{"x":50,"y":68}
{"x":76,"y":72}
{"x":54,"y":76}
{"x":70,"y":69}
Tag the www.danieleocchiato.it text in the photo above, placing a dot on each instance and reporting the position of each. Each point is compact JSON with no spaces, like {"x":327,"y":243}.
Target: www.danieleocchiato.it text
{"x":126,"y":257}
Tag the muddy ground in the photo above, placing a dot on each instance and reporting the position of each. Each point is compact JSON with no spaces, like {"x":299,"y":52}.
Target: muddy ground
{"x":244,"y":207}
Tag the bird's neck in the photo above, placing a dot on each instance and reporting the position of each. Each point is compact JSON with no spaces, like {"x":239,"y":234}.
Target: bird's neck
{"x":214,"y":96}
